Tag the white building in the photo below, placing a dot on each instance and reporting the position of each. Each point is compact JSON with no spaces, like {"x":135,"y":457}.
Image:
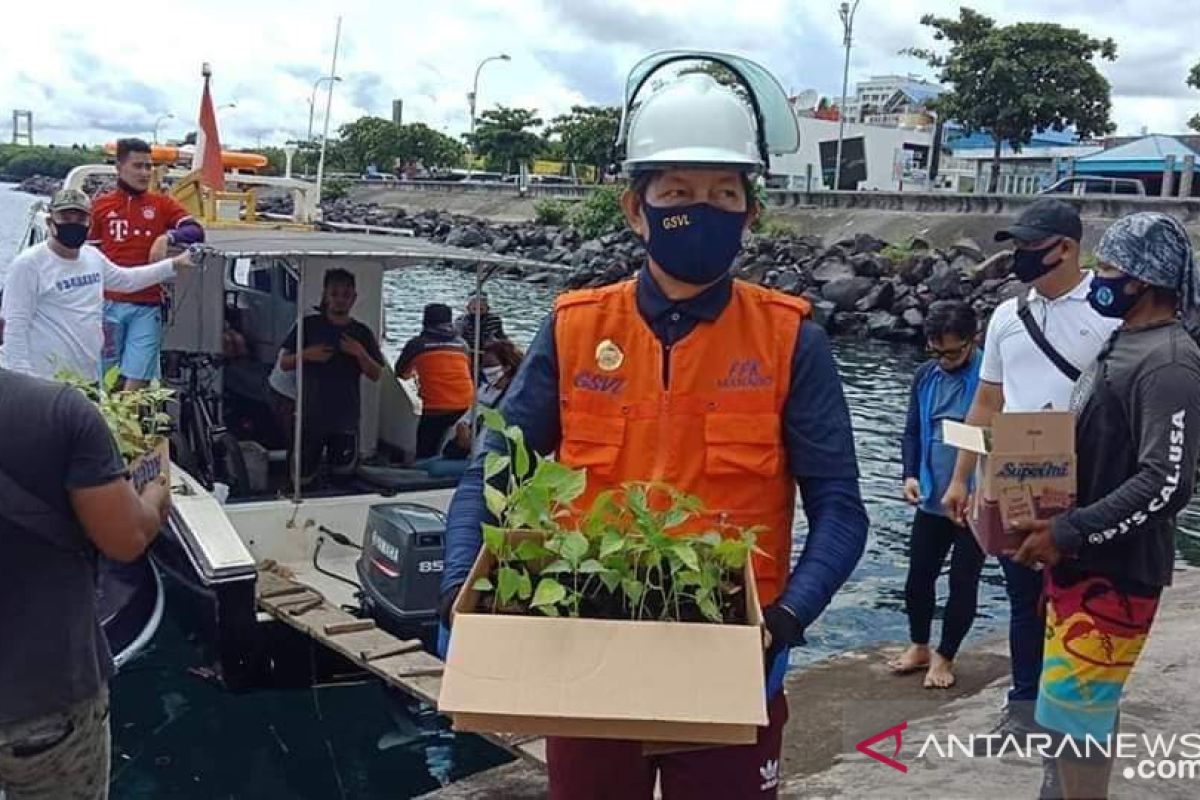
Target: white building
{"x":890,"y":99}
{"x":874,"y":157}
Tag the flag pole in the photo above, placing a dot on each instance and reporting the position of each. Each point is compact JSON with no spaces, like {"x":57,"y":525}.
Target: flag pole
{"x":337,"y":37}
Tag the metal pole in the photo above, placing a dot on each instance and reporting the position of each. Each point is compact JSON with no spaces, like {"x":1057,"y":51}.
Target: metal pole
{"x":471,"y":98}
{"x":846,"y":12}
{"x":475,"y":347}
{"x":297,"y":423}
{"x":312,"y":100}
{"x":328,"y":103}
{"x":158,"y":122}
{"x":312,"y":105}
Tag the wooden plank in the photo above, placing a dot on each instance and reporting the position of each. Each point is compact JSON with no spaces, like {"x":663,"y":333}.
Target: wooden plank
{"x":281,"y":591}
{"x":399,"y":663}
{"x":291,"y":599}
{"x":297,"y":609}
{"x":406,"y":646}
{"x":353,"y":626}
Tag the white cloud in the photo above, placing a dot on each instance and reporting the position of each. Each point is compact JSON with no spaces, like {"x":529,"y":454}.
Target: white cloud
{"x":91,"y":77}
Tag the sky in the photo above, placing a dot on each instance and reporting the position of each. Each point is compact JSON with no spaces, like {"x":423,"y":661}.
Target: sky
{"x":93,"y":73}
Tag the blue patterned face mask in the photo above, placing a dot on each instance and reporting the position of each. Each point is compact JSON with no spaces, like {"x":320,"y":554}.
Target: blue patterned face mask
{"x":1109,"y":298}
{"x":696,"y":243}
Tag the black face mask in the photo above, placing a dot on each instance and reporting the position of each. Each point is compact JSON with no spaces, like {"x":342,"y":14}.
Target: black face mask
{"x":71,"y":234}
{"x":1028,"y":266}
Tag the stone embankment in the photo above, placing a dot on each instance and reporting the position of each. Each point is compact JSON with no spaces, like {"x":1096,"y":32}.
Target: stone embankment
{"x":859,"y":285}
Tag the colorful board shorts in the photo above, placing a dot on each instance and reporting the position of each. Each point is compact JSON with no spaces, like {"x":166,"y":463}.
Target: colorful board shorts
{"x":1095,"y":630}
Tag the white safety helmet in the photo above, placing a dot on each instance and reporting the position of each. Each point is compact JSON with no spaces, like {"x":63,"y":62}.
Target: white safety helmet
{"x":695,"y":122}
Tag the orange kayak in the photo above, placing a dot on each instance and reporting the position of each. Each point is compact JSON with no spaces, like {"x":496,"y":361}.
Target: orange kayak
{"x":170,"y":154}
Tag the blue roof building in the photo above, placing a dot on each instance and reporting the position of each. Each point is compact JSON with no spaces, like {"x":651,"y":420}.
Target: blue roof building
{"x":1145,"y":156}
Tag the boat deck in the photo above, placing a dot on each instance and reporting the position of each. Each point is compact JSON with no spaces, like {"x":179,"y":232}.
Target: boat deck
{"x":398,"y":662}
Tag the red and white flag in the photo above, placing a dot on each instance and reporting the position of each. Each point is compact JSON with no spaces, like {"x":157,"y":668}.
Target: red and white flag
{"x":208,"y":144}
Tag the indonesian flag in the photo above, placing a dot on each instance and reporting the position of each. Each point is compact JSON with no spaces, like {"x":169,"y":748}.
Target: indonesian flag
{"x":208,"y":145}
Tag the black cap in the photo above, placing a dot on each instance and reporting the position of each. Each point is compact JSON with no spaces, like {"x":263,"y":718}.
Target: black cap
{"x":1042,"y":219}
{"x":437,"y":314}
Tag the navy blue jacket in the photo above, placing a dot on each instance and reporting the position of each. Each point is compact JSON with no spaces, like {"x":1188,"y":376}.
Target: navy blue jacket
{"x":817,"y":436}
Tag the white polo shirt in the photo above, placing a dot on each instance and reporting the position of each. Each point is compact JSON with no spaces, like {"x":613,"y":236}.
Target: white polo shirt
{"x":1012,"y":359}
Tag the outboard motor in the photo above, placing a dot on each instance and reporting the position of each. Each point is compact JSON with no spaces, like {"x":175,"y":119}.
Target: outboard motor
{"x":400,"y":568}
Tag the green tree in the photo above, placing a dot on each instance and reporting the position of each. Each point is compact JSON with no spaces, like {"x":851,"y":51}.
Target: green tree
{"x":419,"y":142}
{"x":1193,"y":80}
{"x":587,"y":134}
{"x":1018,"y":79}
{"x":506,"y":137}
{"x":21,"y":161}
{"x":553,"y":149}
{"x":368,"y":141}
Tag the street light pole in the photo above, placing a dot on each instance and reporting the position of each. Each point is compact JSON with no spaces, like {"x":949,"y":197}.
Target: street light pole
{"x":475,"y":93}
{"x":312,"y":101}
{"x":337,"y":38}
{"x":158,"y":122}
{"x":846,"y":12}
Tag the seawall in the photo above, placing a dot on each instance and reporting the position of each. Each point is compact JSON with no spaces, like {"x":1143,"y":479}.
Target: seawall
{"x":940,"y":218}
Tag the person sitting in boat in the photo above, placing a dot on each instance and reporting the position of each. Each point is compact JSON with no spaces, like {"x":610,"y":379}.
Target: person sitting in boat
{"x":53,"y":301}
{"x":337,"y":351}
{"x":441,"y":363}
{"x":64,"y":497}
{"x":133,"y":226}
{"x":491,"y":327}
{"x":497,"y":365}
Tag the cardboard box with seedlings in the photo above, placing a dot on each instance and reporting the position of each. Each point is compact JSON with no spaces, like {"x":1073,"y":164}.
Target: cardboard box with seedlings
{"x":606,"y":622}
{"x":1026,"y":471}
{"x":136,"y":419}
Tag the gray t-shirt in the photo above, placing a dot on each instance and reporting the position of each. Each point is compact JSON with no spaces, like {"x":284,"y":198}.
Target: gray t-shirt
{"x":1137,"y":439}
{"x":52,"y":651}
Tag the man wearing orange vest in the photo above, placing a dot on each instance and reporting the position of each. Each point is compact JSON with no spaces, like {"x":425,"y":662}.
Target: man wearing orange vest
{"x":442,"y":364}
{"x":722,"y":388}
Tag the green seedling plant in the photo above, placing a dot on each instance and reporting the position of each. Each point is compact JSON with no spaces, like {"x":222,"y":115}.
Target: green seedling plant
{"x":663,"y":574}
{"x":537,"y":496}
{"x":137,"y":418}
{"x":623,"y":558}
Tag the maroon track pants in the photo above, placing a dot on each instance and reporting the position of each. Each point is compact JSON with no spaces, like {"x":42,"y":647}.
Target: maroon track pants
{"x":611,"y":769}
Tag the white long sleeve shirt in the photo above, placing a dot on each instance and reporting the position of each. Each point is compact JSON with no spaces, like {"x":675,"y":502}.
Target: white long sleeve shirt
{"x":53,"y":308}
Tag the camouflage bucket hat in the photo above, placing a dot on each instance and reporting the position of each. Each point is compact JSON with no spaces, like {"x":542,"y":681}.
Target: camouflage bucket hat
{"x":1154,"y":248}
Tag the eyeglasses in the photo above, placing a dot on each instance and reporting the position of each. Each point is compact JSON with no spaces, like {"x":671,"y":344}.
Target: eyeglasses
{"x":948,"y":355}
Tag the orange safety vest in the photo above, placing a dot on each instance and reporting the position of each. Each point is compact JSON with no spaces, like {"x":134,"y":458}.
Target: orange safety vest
{"x":444,"y":373}
{"x":715,"y":432}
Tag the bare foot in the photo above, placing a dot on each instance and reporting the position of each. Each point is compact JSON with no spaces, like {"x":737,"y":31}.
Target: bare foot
{"x":940,"y":674}
{"x":915,"y":657}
